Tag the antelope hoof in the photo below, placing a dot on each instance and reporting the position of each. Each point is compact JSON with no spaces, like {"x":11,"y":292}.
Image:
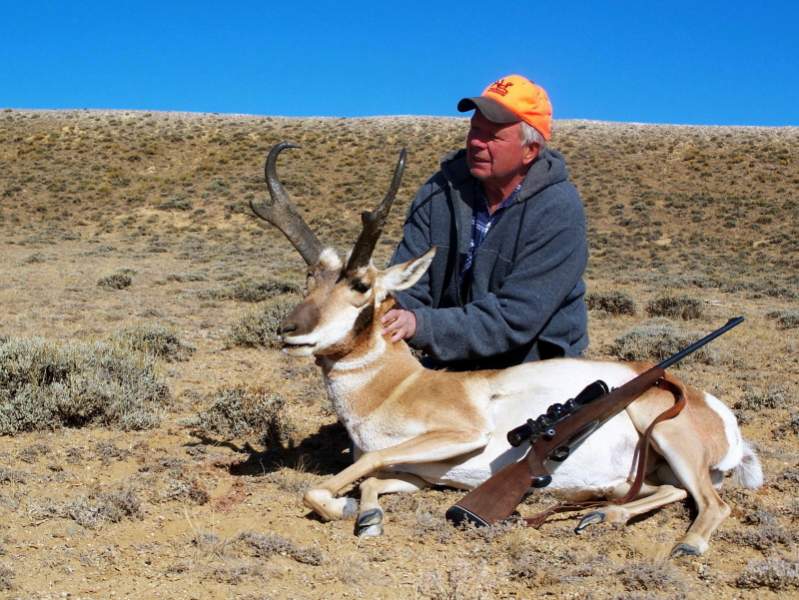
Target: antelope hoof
{"x":350,"y":509}
{"x":684,"y":550}
{"x":589,"y":519}
{"x":323,"y":503}
{"x":369,"y":523}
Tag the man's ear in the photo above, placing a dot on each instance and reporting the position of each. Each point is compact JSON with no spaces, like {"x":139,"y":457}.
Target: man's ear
{"x":530,"y":153}
{"x":402,"y":276}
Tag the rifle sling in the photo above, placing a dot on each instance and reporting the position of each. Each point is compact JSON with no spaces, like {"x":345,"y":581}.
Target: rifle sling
{"x":640,"y":455}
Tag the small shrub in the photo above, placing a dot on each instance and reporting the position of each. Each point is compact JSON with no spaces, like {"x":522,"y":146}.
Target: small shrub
{"x":35,"y":258}
{"x":657,"y":341}
{"x":433,"y":526}
{"x":45,"y":508}
{"x":235,"y":572}
{"x":210,"y":542}
{"x":240,"y":411}
{"x":175,"y":204}
{"x":789,"y":427}
{"x":116,"y":281}
{"x":677,"y":307}
{"x":268,"y":544}
{"x":792,"y":510}
{"x":773,"y":573}
{"x":32,"y":453}
{"x":184,"y":277}
{"x":12,"y":476}
{"x":105,"y":451}
{"x":91,"y":512}
{"x":791,"y":475}
{"x":774,"y":396}
{"x":248,"y":290}
{"x":258,"y":291}
{"x":651,"y":577}
{"x":6,"y":578}
{"x":259,"y":328}
{"x":46,"y":385}
{"x":762,"y":538}
{"x":193,"y":490}
{"x":74,"y":455}
{"x":786,"y":319}
{"x":155,"y":340}
{"x":759,"y":517}
{"x":613,"y":303}
{"x":523,"y":567}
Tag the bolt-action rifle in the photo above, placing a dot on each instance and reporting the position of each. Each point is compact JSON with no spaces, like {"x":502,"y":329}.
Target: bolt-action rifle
{"x":555,"y":435}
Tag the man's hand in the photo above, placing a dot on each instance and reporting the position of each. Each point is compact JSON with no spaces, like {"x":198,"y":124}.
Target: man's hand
{"x":399,"y":324}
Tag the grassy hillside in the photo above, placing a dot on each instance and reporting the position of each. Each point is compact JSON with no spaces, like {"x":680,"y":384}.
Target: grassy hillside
{"x":717,"y":201}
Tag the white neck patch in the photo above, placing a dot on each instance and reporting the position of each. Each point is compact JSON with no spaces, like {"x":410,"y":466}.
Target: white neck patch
{"x":359,"y":362}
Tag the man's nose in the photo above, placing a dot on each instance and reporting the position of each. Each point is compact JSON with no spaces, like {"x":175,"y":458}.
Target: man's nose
{"x":475,"y":141}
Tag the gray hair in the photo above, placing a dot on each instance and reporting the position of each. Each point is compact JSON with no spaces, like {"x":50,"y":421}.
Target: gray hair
{"x":530,"y":135}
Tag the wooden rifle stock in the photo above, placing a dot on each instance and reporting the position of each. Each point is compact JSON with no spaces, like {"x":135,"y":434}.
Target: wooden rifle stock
{"x":494,"y":499}
{"x":497,"y":497}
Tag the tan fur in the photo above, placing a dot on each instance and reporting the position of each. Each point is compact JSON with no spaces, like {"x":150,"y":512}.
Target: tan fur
{"x":697,"y":421}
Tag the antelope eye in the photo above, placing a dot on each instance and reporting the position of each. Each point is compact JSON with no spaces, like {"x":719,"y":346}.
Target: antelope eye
{"x":359,"y":286}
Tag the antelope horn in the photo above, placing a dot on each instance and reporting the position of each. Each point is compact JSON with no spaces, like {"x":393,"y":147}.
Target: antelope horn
{"x":373,"y":222}
{"x":281,"y":212}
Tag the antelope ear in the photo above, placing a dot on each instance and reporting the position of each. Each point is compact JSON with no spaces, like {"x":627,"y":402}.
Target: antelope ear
{"x":402,"y":276}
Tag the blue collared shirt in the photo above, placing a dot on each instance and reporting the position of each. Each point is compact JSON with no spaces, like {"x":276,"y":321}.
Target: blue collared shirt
{"x":482,"y":221}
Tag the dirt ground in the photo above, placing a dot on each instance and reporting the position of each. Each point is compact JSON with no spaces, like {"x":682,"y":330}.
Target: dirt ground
{"x":180,"y":510}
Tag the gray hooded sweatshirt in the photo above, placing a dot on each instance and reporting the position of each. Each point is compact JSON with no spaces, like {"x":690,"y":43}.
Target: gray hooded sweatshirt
{"x":526,"y":297}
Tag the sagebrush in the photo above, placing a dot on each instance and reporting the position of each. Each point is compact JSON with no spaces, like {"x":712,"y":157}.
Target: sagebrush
{"x":47,"y":384}
{"x":242,"y":410}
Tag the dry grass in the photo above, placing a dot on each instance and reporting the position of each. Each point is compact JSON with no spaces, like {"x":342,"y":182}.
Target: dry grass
{"x":157,"y":203}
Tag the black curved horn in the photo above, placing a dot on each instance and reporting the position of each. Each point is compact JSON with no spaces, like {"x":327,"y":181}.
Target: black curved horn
{"x":281,"y":212}
{"x":373,"y":221}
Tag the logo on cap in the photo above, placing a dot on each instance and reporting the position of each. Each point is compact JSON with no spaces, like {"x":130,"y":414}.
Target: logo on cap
{"x":500,"y":87}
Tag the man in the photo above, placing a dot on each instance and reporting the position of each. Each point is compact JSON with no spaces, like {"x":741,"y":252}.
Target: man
{"x":506,"y":284}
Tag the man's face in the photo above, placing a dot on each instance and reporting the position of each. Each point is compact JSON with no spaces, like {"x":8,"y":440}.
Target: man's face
{"x":494,"y":151}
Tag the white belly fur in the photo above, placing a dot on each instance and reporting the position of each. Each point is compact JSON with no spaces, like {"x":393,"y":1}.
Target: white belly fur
{"x":601,"y":463}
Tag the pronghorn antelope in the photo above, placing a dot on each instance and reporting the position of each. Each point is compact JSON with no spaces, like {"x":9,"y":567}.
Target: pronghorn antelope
{"x":412,"y":427}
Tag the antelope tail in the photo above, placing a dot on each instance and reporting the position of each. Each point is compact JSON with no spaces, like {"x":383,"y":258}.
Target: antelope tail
{"x":748,"y":473}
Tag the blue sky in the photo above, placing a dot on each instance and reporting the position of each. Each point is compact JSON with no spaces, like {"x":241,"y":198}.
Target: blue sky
{"x":660,"y":62}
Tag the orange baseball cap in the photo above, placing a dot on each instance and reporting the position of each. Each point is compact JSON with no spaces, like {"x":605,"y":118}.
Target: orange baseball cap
{"x":512,"y":99}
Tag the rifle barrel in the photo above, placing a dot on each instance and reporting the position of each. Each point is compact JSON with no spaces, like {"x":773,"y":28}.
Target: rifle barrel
{"x":698,"y":344}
